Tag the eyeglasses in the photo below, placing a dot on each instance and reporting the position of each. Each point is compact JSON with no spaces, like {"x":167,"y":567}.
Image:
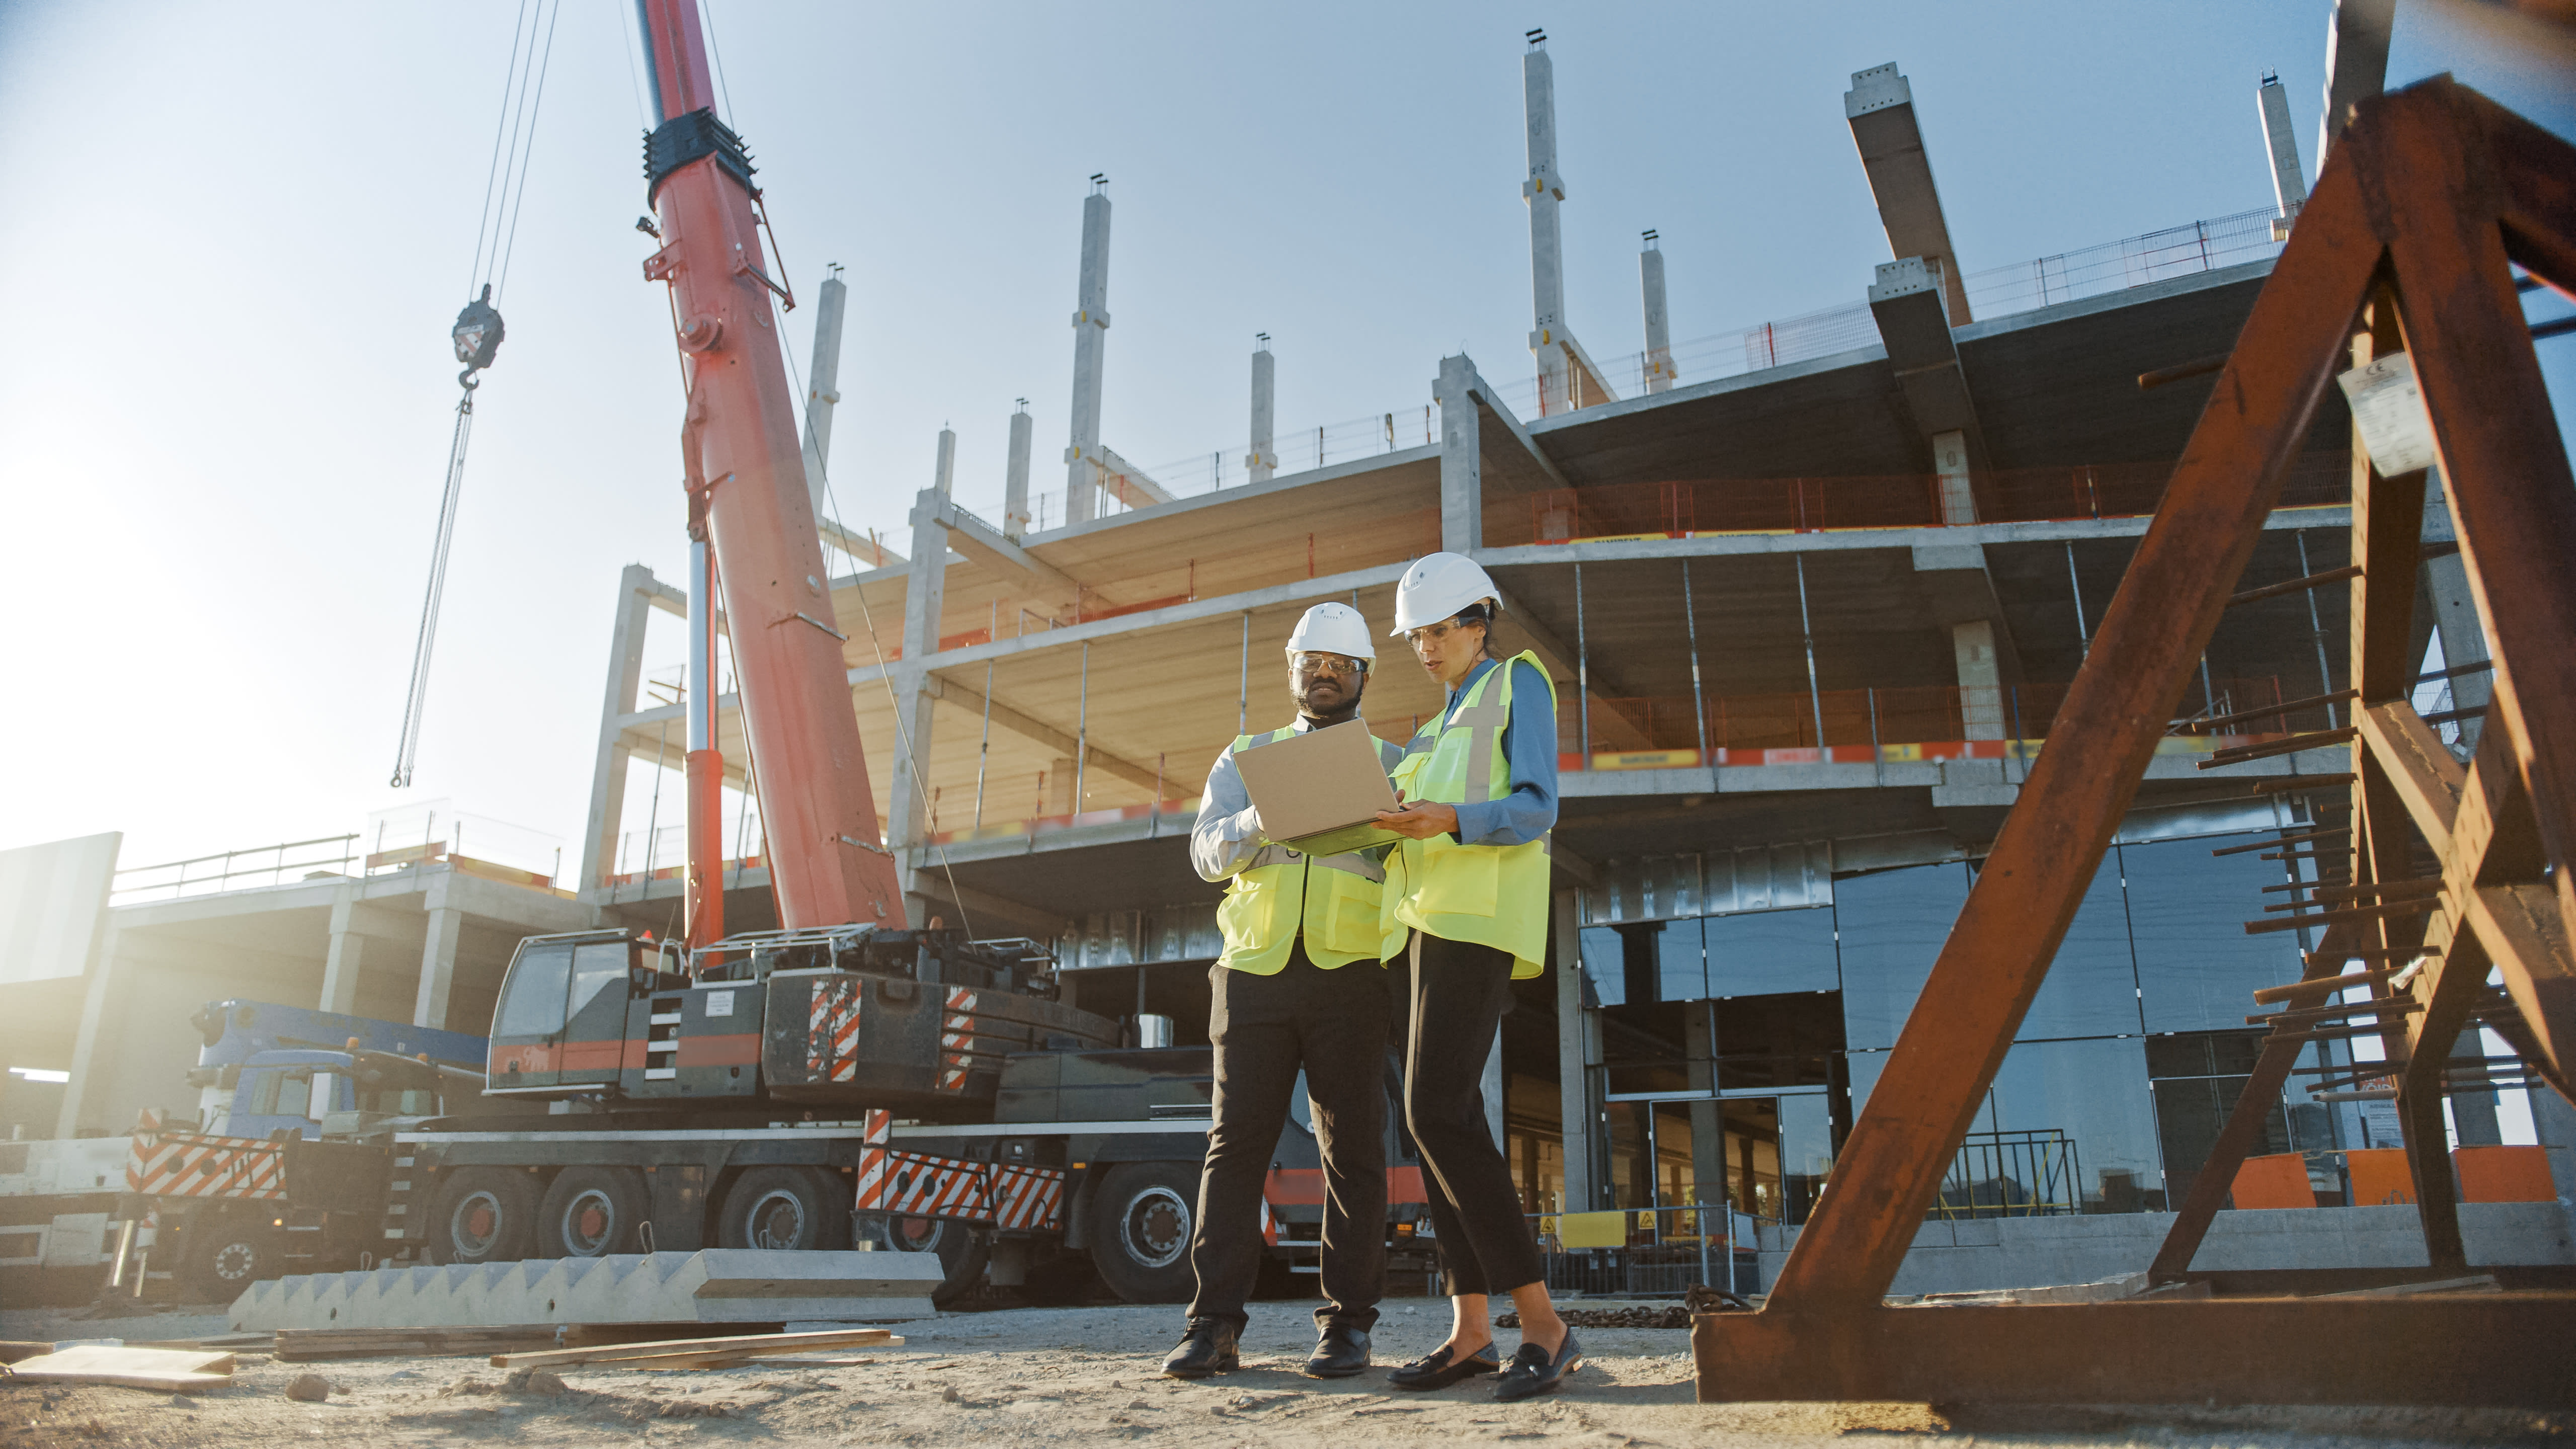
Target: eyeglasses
{"x":1433,"y":633}
{"x":1333,"y":664}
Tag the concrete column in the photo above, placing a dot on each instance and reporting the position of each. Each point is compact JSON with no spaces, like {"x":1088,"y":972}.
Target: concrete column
{"x":1263,"y":460}
{"x":2356,"y":62}
{"x":1950,"y":464}
{"x":1659,"y":330}
{"x":944,"y":473}
{"x":94,"y":1043}
{"x":1573,"y":1080}
{"x":916,"y":695}
{"x":348,"y":954}
{"x":438,"y":958}
{"x":2281,"y":149}
{"x":1981,"y":695}
{"x":608,"y":769}
{"x":823,"y":381}
{"x":1090,"y":337}
{"x":1462,"y":489}
{"x":1544,"y":190}
{"x":1015,"y":482}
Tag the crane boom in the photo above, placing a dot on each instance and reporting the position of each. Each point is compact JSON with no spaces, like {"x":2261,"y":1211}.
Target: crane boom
{"x":745,"y":477}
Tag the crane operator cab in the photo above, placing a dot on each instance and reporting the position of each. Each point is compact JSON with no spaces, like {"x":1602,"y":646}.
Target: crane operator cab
{"x":914,"y":1021}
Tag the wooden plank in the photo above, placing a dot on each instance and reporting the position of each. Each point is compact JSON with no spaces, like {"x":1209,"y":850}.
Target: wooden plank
{"x":165,"y":1370}
{"x":741,"y":1346}
{"x":2168,"y":604}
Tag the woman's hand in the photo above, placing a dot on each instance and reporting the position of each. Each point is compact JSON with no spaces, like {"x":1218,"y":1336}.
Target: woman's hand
{"x":1419,"y":819}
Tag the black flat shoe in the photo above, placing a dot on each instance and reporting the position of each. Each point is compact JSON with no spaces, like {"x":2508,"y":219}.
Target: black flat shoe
{"x":1535,"y":1371}
{"x":1207,"y":1348}
{"x":1434,"y":1370}
{"x":1339,"y":1354}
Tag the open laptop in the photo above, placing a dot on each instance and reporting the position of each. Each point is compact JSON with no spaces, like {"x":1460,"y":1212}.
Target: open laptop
{"x":1319,"y":792}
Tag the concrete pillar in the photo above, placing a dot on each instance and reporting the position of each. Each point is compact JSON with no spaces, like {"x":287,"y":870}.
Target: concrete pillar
{"x":1981,"y":695}
{"x":2281,"y":148}
{"x":822,"y":383}
{"x":1573,"y":1079}
{"x":94,"y":1042}
{"x":348,"y":955}
{"x":608,"y":769}
{"x":1544,"y":190}
{"x":1263,"y":460}
{"x":944,"y":473}
{"x":1015,"y":482}
{"x":1462,"y":489}
{"x":1659,"y":329}
{"x":916,"y":696}
{"x":438,"y":957}
{"x":1950,"y":465}
{"x":1090,"y":337}
{"x":2356,"y":62}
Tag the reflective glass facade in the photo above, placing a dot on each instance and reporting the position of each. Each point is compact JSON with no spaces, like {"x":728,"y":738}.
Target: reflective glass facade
{"x":2128,"y":1060}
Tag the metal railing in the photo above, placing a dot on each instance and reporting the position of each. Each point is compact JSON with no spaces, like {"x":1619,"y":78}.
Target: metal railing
{"x":233,"y":870}
{"x":1666,"y":1250}
{"x":2027,"y":1174}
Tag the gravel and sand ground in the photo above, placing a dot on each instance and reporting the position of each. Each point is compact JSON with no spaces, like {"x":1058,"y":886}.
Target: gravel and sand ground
{"x":1082,"y":1376}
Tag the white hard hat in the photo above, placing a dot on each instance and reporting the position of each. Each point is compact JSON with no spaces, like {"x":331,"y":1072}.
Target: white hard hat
{"x":1332,"y":629}
{"x":1437,"y":587}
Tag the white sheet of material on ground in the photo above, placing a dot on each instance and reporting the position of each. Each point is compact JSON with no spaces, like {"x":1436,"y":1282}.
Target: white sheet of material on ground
{"x":714,"y":1285}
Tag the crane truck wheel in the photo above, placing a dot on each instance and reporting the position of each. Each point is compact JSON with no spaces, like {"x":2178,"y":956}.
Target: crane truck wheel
{"x":962,"y":1251}
{"x":799,"y":1208}
{"x":482,"y":1215}
{"x":590,"y":1212}
{"x":229,"y":1253}
{"x":1140,"y":1230}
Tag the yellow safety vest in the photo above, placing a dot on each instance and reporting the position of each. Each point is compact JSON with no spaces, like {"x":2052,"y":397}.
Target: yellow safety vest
{"x":1279,"y":897}
{"x":1493,"y":895}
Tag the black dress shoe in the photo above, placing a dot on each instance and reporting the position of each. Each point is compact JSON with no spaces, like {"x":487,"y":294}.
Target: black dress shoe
{"x":1436,"y":1370}
{"x":1207,"y":1348}
{"x":1339,"y":1354}
{"x":1535,"y":1371}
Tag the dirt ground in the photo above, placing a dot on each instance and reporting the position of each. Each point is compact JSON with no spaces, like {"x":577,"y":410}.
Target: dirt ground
{"x":1088,"y":1376}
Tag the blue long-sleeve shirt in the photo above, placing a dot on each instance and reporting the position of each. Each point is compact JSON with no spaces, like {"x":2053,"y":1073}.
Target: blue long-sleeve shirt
{"x":1529,"y":745}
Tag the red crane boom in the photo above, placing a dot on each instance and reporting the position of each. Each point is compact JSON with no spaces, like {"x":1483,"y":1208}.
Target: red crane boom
{"x":745,"y":475}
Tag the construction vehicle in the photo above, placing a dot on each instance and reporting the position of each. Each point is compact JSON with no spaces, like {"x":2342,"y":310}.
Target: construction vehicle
{"x":245,"y":1077}
{"x":847,"y":1077}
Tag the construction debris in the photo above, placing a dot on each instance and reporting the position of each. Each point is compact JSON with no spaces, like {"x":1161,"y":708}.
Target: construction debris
{"x":310,"y":1345}
{"x":163,"y":1370}
{"x":699,"y":1352}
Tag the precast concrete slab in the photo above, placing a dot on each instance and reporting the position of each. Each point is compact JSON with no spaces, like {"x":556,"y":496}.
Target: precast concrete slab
{"x":715,"y":1285}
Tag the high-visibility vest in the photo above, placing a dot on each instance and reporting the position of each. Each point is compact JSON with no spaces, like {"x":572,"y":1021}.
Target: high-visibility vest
{"x":1333,"y":901}
{"x":1493,"y":895}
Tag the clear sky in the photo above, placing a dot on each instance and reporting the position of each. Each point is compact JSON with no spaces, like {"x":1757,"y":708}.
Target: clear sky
{"x":238,"y":235}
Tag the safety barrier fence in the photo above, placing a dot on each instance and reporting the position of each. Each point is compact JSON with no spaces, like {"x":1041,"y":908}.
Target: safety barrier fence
{"x":2022,"y":1174}
{"x":1649,"y":1252}
{"x":1710,"y":506}
{"x":396,"y":840}
{"x":232,"y":870}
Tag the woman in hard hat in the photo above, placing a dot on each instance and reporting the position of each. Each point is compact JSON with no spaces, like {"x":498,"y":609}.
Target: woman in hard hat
{"x":1477,"y":798}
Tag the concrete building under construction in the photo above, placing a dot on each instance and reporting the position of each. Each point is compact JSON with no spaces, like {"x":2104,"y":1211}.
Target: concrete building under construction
{"x":1811,"y":593}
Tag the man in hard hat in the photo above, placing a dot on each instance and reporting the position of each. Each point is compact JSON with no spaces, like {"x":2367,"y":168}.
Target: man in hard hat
{"x":1477,"y":798}
{"x":1299,"y":985}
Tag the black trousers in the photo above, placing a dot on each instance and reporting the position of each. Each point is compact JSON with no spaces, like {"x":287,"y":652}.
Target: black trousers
{"x":1334,"y":1024}
{"x":1460,"y":992}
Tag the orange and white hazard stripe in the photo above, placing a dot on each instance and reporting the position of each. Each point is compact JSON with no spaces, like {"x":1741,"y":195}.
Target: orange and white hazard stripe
{"x":189,"y":1164}
{"x":957,"y":1039}
{"x":832,"y":1030}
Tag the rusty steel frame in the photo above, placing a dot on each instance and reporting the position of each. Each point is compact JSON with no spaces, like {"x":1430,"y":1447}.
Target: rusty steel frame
{"x":2429,"y":194}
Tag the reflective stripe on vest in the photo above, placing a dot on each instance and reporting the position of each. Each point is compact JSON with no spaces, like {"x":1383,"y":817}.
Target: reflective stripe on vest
{"x":1493,"y":895}
{"x":1276,"y":899}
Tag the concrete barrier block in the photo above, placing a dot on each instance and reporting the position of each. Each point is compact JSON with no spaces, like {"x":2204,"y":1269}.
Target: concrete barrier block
{"x":713,"y":1286}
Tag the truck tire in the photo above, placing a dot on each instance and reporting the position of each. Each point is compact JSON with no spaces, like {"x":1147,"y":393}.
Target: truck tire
{"x":1141,"y":1220}
{"x":228,"y":1253}
{"x":798,"y":1208}
{"x":591,"y":1212}
{"x":962,"y":1252}
{"x":482,"y":1215}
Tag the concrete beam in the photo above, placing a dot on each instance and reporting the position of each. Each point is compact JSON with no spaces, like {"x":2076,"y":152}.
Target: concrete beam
{"x":2356,"y":62}
{"x":1880,"y":107}
{"x":1962,"y":593}
{"x":995,"y":551}
{"x":1905,"y":301}
{"x":934,"y":882}
{"x":1130,"y":484}
{"x":1495,"y":410}
{"x":862,"y":547}
{"x":1029,"y":727}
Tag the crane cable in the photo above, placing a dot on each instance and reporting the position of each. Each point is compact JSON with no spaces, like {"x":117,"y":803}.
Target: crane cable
{"x":478,"y":330}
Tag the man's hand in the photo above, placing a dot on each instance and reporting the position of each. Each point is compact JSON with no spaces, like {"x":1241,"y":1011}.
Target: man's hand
{"x":1419,"y":819}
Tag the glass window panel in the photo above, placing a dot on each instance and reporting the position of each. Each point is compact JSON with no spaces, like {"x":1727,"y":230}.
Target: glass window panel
{"x":1806,"y":1152}
{"x":1681,"y":974}
{"x":535,"y":1003}
{"x":1762,"y":952}
{"x":2069,"y":1126}
{"x":1605,"y":965}
{"x":2092,"y":987}
{"x":2198,"y":1078}
{"x":1892,"y":925}
{"x":2187,"y":914}
{"x":595,"y":967}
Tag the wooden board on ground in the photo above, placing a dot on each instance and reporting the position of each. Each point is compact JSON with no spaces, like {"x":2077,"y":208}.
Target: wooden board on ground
{"x":309,"y":1345}
{"x":664,"y":1353}
{"x":167,"y":1370}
